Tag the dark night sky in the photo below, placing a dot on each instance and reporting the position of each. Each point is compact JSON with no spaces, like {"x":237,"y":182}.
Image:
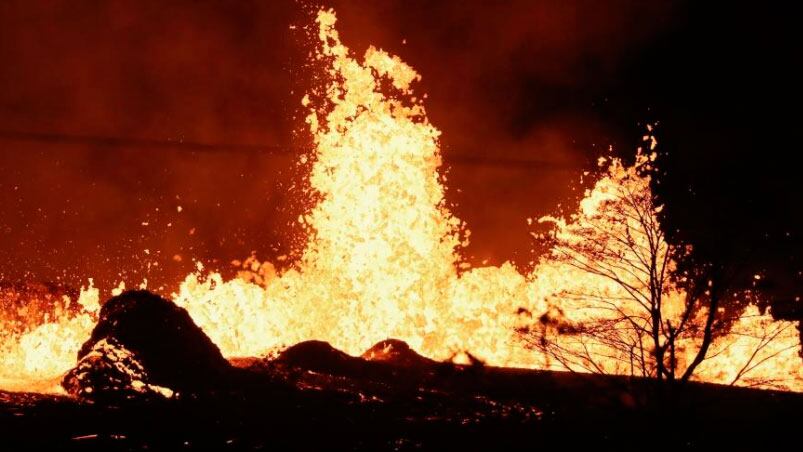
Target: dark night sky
{"x":113,"y":114}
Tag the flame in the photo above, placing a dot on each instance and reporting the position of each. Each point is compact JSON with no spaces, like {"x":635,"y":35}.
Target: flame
{"x":382,"y":258}
{"x":759,"y":352}
{"x":756,"y":350}
{"x":36,"y":358}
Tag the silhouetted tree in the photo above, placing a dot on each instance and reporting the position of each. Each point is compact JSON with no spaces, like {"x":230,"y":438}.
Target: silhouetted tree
{"x":639,"y":303}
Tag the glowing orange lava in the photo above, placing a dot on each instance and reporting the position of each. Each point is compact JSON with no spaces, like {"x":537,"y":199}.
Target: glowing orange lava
{"x":382,"y":258}
{"x":34,"y":357}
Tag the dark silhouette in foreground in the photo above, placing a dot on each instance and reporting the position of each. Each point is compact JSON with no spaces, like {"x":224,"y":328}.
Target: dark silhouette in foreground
{"x":312,"y":396}
{"x":143,"y":342}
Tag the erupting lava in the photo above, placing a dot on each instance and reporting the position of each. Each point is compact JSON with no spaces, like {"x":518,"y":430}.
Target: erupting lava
{"x":35,"y":354}
{"x":382,"y":259}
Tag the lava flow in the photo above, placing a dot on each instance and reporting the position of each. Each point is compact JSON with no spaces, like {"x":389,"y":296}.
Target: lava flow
{"x":382,"y":260}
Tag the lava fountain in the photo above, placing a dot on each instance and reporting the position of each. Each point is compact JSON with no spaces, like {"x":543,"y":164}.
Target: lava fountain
{"x":382,"y":257}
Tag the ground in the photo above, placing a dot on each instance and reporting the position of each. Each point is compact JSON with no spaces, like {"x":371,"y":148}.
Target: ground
{"x":314,"y":397}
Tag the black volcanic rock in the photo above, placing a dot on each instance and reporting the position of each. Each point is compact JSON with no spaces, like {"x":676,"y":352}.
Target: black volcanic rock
{"x":145,"y":340}
{"x":110,"y":373}
{"x":318,"y":356}
{"x":388,"y":360}
{"x":396,"y":352}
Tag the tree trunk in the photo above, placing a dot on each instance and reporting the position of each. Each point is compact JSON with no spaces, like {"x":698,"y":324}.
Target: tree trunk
{"x":708,"y":333}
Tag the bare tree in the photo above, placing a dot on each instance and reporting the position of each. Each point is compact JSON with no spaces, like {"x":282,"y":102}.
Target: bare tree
{"x":643,"y":315}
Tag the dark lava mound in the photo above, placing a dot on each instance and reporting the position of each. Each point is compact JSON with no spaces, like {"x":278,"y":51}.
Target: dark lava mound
{"x":396,"y":352}
{"x":143,"y":342}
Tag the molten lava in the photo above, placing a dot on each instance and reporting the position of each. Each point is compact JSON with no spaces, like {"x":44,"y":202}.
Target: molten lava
{"x":35,"y":355}
{"x":382,"y":259}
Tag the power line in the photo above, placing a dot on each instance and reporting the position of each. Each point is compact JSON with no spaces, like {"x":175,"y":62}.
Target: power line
{"x":57,"y":139}
{"x":118,"y":142}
